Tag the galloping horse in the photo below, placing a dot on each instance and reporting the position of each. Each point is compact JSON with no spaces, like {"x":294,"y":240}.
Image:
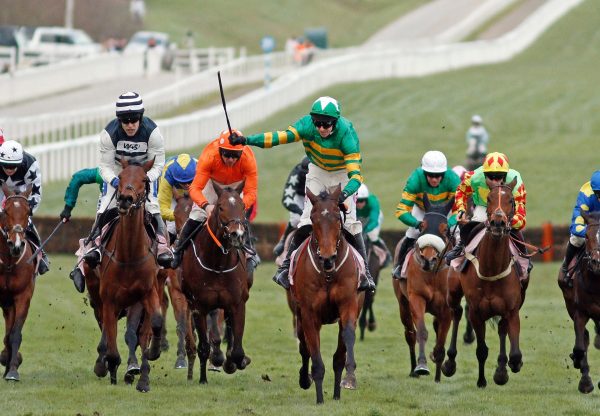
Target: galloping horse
{"x":492,"y":287}
{"x":425,"y":289}
{"x":16,"y":277}
{"x":128,"y":275}
{"x":367,"y":316}
{"x":214,"y":276}
{"x":324,"y":289}
{"x":583,"y":299}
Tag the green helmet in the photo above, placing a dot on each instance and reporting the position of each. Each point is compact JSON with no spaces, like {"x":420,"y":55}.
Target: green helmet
{"x":326,"y":106}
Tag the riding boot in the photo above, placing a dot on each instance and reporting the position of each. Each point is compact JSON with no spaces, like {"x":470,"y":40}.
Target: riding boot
{"x":92,"y":257}
{"x":32,"y":232}
{"x":187,"y":232}
{"x":278,"y":249}
{"x":569,"y":254}
{"x":78,"y":279}
{"x":254,"y":259}
{"x":165,"y":256}
{"x":457,"y":251}
{"x":281,"y":275}
{"x":388,"y":256}
{"x":359,"y":244}
{"x":407,"y":244}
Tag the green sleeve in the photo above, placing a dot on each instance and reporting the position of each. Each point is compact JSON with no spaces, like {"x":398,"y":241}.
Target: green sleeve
{"x":79,"y":178}
{"x":374,"y":209}
{"x":350,"y":147}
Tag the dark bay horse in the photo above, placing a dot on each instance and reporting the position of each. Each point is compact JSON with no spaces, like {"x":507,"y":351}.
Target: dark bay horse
{"x":583,"y":299}
{"x":367,"y":315}
{"x":425,"y":289}
{"x":214,"y":276}
{"x":492,"y":287}
{"x":128,"y":275}
{"x":17,"y":277}
{"x":325,"y":291}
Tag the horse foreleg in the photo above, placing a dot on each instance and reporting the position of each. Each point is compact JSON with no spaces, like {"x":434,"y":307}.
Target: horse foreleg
{"x":134,"y":317}
{"x":214,"y":334}
{"x":339,"y":359}
{"x":143,"y":384}
{"x":304,"y":380}
{"x":410,"y":335}
{"x":100,"y":367}
{"x":449,"y":366}
{"x":113,"y":359}
{"x":439,"y":350}
{"x":9,"y":321}
{"x":203,"y":344}
{"x":482,"y":349}
{"x":579,"y":355}
{"x":237,"y":357}
{"x":21,"y":307}
{"x":347,"y":329}
{"x":154,"y":314}
{"x":501,"y":374}
{"x":362,"y":320}
{"x":515,"y":358}
{"x":468,"y":336}
{"x":372,"y":324}
{"x":417,"y":309}
{"x":190,"y":347}
{"x":311,"y":329}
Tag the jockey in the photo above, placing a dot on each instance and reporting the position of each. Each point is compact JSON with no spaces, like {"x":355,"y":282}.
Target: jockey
{"x":496,"y":169}
{"x":333,"y":148}
{"x":224,"y":164}
{"x":177,"y":175}
{"x":588,"y":200}
{"x":369,"y":212}
{"x":293,"y":200}
{"x":433,"y":178}
{"x":477,"y":141}
{"x":79,"y":178}
{"x":131,"y":136}
{"x":19,"y":171}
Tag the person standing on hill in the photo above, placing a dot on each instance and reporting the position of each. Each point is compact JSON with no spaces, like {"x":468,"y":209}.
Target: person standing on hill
{"x":477,"y":143}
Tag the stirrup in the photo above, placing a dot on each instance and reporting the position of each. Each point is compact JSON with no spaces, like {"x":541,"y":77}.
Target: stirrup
{"x":282,"y":277}
{"x":165,"y":260}
{"x":367,"y":284}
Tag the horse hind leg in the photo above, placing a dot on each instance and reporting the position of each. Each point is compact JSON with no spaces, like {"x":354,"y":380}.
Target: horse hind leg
{"x":304,"y":379}
{"x":16,"y":337}
{"x":439,"y":350}
{"x":349,"y":337}
{"x":100,"y":368}
{"x":449,"y":366}
{"x":237,"y":355}
{"x":217,"y":358}
{"x":469,"y":335}
{"x":579,"y":355}
{"x":482,"y":349}
{"x":190,"y":346}
{"x":501,"y":373}
{"x":362,"y":320}
{"x":339,"y":359}
{"x":203,"y":344}
{"x":134,"y":317}
{"x":154,"y":312}
{"x":410,"y":335}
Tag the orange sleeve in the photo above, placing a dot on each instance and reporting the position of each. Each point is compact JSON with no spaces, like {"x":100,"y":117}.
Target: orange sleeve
{"x":250,"y":173}
{"x":203,"y":174}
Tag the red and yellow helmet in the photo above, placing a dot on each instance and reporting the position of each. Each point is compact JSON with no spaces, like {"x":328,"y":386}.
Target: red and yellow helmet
{"x":224,"y":140}
{"x":495,"y":162}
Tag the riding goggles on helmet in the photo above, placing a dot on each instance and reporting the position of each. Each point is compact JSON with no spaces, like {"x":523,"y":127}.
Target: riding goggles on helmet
{"x":495,"y":176}
{"x":231,"y":154}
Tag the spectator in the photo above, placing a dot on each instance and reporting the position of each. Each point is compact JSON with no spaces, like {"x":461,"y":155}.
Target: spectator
{"x":290,"y":48}
{"x":477,"y":142}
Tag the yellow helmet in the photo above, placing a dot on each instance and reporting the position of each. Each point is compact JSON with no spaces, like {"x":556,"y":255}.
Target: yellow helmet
{"x":495,"y":162}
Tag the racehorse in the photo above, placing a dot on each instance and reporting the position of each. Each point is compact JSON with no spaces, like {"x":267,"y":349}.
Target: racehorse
{"x":16,"y":277}
{"x":583,"y":299}
{"x":214,"y":276}
{"x":492,"y":287}
{"x":324,"y":289}
{"x":128,"y":275}
{"x":367,"y":316}
{"x":425,"y":289}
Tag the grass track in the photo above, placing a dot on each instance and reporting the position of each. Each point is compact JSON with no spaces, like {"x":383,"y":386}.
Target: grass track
{"x":60,"y":338}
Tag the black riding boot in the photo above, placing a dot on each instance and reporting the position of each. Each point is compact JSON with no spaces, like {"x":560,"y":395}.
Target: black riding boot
{"x":407,"y":244}
{"x":92,"y":257}
{"x":164,"y":259}
{"x":254,"y":260}
{"x":570,"y":253}
{"x":281,"y":275}
{"x":78,"y":279}
{"x":189,"y":229}
{"x":278,"y":249}
{"x":32,"y":232}
{"x":358,"y":243}
{"x":388,"y":256}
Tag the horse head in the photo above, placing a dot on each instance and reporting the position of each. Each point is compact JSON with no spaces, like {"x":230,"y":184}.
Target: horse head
{"x":14,"y":219}
{"x":134,"y":185}
{"x":434,"y":233}
{"x":183,"y":206}
{"x":327,"y":225}
{"x":592,"y":241}
{"x":500,"y":207}
{"x":230,"y":213}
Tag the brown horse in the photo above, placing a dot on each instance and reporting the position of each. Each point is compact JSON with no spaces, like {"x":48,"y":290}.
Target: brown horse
{"x":425,"y":289}
{"x":325,"y":292}
{"x":492,"y":287}
{"x":128,"y":275}
{"x":16,"y":277}
{"x":583,"y":299}
{"x":214,"y":276}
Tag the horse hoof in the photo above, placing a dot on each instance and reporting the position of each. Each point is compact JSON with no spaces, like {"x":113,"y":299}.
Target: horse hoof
{"x":515,"y":367}
{"x":349,"y":382}
{"x":449,"y":368}
{"x":468,"y":337}
{"x":180,"y":363}
{"x":586,"y":385}
{"x":422,"y":370}
{"x":153,"y":354}
{"x":214,"y":368}
{"x":14,"y":376}
{"x":128,"y":378}
{"x":305,"y":382}
{"x":501,"y":376}
{"x":229,"y":367}
{"x":133,"y":369}
{"x":217,"y":358}
{"x":245,"y":362}
{"x":4,"y":358}
{"x":142,"y":388}
{"x":372,"y":326}
{"x":164,"y":345}
{"x":482,"y":384}
{"x":100,"y":369}
{"x":413,"y":374}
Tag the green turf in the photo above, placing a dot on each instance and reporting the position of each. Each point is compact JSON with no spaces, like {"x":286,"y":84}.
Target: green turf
{"x":540,"y":109}
{"x":60,"y":338}
{"x":235,"y":23}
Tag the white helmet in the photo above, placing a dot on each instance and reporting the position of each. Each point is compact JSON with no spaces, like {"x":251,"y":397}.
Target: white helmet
{"x":363,"y":192}
{"x":434,"y":161}
{"x":476,"y":119}
{"x":11,"y":153}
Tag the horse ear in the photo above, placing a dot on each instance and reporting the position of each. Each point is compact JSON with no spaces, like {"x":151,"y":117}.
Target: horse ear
{"x":27,"y":191}
{"x":312,"y":197}
{"x":240,"y":187}
{"x":218,"y":189}
{"x":148,"y":165}
{"x":6,"y":190}
{"x":426,"y":203}
{"x":124,"y":163}
{"x":337,"y":190}
{"x":448,"y":206}
{"x":513,"y":183}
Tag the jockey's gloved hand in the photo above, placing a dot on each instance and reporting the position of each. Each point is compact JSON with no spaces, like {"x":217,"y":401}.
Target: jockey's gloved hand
{"x":235,"y":139}
{"x":343,"y":196}
{"x":115,"y":182}
{"x":419,"y":226}
{"x":65,"y":215}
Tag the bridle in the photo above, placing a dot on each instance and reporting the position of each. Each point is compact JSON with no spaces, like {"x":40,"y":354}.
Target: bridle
{"x":313,"y":246}
{"x":140,"y":198}
{"x":498,"y":230}
{"x":17,"y":229}
{"x":592,"y":256}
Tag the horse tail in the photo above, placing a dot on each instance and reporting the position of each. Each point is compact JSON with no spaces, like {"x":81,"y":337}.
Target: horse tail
{"x":494,"y":321}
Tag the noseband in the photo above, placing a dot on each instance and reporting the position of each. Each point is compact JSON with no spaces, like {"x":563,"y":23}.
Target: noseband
{"x":500,"y":230}
{"x":139,"y":198}
{"x":17,"y":229}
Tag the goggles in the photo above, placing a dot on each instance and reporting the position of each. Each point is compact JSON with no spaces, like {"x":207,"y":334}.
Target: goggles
{"x":129,"y":119}
{"x":496,"y":176}
{"x":324,"y":124}
{"x":231,"y":154}
{"x":434,"y":175}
